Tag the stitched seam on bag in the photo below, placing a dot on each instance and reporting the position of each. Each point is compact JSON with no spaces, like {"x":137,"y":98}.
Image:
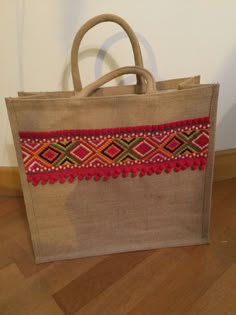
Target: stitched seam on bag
{"x":208,"y":179}
{"x":36,"y":239}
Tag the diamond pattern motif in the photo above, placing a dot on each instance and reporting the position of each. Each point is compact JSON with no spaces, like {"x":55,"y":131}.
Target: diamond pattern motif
{"x":143,"y":148}
{"x":112,"y":151}
{"x":173,"y":144}
{"x":201,"y":141}
{"x":81,"y":152}
{"x":50,"y":154}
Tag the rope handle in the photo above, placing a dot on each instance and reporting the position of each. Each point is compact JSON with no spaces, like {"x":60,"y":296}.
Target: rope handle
{"x":85,"y":28}
{"x":145,"y":74}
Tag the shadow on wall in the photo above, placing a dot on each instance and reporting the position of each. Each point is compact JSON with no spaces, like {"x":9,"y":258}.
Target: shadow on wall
{"x":152,"y":66}
{"x":102,"y":56}
{"x":226,"y":127}
{"x":90,"y":52}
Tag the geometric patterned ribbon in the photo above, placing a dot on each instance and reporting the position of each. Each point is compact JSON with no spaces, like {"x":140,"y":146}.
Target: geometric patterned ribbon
{"x":104,"y":153}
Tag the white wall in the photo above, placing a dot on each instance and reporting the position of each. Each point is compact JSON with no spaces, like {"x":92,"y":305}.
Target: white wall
{"x":178,"y":38}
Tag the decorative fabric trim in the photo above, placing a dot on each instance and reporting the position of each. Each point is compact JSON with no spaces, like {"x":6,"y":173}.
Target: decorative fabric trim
{"x":104,"y":153}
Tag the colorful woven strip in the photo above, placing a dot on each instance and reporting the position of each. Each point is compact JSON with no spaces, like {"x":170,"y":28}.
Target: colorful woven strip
{"x":102,"y":153}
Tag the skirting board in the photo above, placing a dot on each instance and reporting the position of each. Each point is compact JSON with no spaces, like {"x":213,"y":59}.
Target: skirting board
{"x":10,"y":184}
{"x":225,"y":165}
{"x":225,"y":168}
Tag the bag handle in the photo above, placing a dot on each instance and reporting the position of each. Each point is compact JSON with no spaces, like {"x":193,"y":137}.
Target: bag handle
{"x":85,"y":28}
{"x":150,"y":81}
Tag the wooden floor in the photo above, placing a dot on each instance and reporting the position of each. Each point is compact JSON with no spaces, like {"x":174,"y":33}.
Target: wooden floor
{"x":189,"y":280}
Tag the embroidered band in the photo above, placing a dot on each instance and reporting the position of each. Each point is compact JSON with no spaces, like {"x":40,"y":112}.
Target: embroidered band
{"x":69,"y":154}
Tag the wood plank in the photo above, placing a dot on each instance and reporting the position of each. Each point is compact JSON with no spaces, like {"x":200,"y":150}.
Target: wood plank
{"x":32,"y":296}
{"x":15,"y":242}
{"x":68,"y":270}
{"x":10,"y":279}
{"x":225,"y":168}
{"x":128,"y":291}
{"x":83,"y":289}
{"x":185,"y":284}
{"x":220,"y":298}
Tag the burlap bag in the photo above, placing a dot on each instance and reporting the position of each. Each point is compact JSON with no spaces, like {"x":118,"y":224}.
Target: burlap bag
{"x":115,"y":169}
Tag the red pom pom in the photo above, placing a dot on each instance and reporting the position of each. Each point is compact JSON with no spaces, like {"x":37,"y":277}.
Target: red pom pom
{"x":189,"y":162}
{"x":97,"y":177}
{"x":142,"y":173}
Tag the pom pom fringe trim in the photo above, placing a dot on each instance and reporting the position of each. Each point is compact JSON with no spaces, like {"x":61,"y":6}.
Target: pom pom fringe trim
{"x":106,"y":173}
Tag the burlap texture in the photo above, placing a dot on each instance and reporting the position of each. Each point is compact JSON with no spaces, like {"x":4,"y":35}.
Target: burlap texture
{"x":91,"y":218}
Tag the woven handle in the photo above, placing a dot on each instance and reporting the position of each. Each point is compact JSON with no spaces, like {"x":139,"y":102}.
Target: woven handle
{"x":150,"y":81}
{"x":85,"y":28}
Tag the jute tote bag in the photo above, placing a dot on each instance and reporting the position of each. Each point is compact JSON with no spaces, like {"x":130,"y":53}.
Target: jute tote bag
{"x":117,"y":90}
{"x":108,"y":174}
